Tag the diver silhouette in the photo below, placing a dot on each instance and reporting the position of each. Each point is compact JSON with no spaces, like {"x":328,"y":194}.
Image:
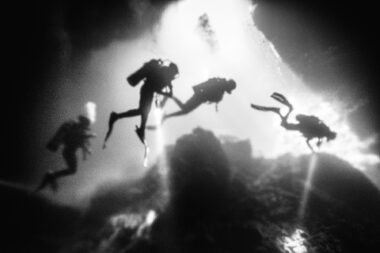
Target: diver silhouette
{"x":157,"y":76}
{"x":210,"y":91}
{"x":310,"y":127}
{"x":72,"y":135}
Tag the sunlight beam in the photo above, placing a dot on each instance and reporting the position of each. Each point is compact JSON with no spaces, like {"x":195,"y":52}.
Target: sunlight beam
{"x":307,"y":186}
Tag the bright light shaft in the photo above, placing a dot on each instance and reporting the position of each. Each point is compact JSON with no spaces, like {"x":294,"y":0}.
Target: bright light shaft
{"x":347,"y":146}
{"x":146,"y":155}
{"x":160,"y":139}
{"x":244,"y":54}
{"x":159,"y":132}
{"x":160,"y":143}
{"x":307,"y":186}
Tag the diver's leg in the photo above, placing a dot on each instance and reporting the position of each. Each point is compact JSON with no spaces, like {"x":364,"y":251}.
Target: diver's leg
{"x":144,"y":119}
{"x":266,"y":108}
{"x":289,"y":126}
{"x":309,"y":145}
{"x":127,"y":114}
{"x":280,"y":98}
{"x":144,"y":93}
{"x":178,"y":102}
{"x":187,"y":107}
{"x":288,"y":113}
{"x":175,"y":114}
{"x":71,"y":161}
{"x":51,"y":177}
{"x":161,"y":105}
{"x":145,"y":107}
{"x":45,"y":181}
{"x":116,"y":116}
{"x":181,"y":105}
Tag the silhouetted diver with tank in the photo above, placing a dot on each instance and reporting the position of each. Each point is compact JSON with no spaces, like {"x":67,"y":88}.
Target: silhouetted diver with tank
{"x":157,"y":76}
{"x":210,"y":91}
{"x":310,"y":126}
{"x":72,"y":135}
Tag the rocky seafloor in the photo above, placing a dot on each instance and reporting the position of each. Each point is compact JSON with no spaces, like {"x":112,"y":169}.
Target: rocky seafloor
{"x":210,"y":195}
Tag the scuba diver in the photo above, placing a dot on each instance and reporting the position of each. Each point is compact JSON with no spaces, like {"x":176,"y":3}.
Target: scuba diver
{"x":210,"y":91}
{"x":310,"y":126}
{"x":157,"y":76}
{"x":72,"y":135}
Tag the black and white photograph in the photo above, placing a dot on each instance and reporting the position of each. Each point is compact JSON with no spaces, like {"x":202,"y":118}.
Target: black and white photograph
{"x":190,"y":126}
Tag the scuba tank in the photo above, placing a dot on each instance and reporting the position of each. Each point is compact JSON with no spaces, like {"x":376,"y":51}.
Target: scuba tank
{"x":142,"y":72}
